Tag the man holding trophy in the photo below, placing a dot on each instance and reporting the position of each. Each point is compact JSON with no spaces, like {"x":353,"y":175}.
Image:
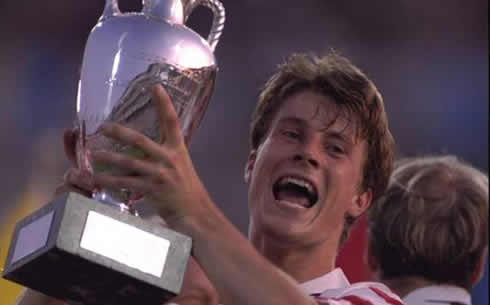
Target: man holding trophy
{"x":310,"y":171}
{"x":321,"y":151}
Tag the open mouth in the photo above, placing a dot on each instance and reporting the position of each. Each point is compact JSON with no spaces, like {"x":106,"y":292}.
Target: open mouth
{"x":295,"y":190}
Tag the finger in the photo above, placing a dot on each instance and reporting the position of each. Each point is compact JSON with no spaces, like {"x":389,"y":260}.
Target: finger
{"x":132,"y":138}
{"x":135,"y":184}
{"x":67,"y":188}
{"x":80,"y":179}
{"x":170,"y":132}
{"x":69,"y":143}
{"x":138,"y":166}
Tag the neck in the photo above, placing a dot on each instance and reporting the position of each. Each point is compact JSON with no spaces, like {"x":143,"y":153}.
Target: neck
{"x":404,"y":285}
{"x":297,"y":260}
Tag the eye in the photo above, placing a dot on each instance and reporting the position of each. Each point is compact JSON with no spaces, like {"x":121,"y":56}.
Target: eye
{"x":291,"y":133}
{"x":335,"y":149}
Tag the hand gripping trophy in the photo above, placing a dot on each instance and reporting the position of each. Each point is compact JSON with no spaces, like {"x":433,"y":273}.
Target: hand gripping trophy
{"x":95,"y":253}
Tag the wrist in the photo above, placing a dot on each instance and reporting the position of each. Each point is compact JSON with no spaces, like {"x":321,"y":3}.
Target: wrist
{"x":204,"y":230}
{"x":203,"y":219}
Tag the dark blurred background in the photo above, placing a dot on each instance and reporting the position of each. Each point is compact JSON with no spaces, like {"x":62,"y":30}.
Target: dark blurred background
{"x":428,"y":58}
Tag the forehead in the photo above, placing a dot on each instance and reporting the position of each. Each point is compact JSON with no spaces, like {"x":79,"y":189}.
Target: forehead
{"x":317,"y":111}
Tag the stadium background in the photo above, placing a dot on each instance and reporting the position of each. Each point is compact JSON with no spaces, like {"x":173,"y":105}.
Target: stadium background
{"x":428,"y":58}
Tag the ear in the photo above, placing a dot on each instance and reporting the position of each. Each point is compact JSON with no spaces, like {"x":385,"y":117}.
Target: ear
{"x":360,"y":203}
{"x":480,"y":267}
{"x":249,"y":166}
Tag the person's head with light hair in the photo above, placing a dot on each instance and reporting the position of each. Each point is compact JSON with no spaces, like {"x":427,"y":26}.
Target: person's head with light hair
{"x":430,"y":228}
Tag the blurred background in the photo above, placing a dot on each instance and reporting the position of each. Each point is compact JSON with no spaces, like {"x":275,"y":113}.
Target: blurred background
{"x":428,"y":58}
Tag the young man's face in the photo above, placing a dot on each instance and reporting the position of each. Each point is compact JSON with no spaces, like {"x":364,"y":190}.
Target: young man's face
{"x":304,"y":177}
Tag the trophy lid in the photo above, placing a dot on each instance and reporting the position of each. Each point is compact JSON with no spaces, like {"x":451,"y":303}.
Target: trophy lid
{"x":170,"y":10}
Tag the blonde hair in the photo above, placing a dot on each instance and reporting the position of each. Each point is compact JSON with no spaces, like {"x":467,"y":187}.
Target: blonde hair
{"x":432,"y":221}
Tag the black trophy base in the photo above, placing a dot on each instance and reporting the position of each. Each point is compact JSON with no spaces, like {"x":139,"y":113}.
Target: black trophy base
{"x":84,"y":252}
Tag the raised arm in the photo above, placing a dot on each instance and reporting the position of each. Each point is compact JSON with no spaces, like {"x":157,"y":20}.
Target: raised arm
{"x":168,"y":180}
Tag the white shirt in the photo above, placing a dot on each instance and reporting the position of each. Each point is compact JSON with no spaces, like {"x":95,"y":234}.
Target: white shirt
{"x":333,"y":288}
{"x":438,"y":295}
{"x":334,"y":279}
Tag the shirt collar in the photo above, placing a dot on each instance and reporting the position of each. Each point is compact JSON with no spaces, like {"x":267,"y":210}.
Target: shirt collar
{"x":438,"y":293}
{"x":331,"y":280}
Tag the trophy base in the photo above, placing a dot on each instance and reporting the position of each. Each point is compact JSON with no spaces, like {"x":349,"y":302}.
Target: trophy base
{"x":78,"y":250}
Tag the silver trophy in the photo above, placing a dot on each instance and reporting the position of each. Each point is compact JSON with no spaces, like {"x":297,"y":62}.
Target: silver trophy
{"x":96,"y":254}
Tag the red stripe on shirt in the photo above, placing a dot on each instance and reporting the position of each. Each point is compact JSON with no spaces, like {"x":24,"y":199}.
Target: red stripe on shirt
{"x":353,"y":299}
{"x":385,"y":296}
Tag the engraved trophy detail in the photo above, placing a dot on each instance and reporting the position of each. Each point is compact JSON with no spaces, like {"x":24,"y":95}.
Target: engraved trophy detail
{"x":94,"y":253}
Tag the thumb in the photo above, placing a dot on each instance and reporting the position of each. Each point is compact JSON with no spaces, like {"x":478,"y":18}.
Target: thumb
{"x":69,"y":143}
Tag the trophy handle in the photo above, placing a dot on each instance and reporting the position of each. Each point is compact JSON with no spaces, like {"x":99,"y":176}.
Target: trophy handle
{"x":111,"y":9}
{"x":218,"y":18}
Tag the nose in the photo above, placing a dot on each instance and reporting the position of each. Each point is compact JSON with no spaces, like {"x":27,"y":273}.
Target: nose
{"x":309,"y":151}
{"x":306,"y":156}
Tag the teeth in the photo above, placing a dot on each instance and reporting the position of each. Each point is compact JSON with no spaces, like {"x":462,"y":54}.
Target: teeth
{"x":305,"y":185}
{"x":299,"y":182}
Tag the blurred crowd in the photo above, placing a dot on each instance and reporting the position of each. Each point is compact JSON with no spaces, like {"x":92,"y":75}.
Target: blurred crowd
{"x":428,"y":58}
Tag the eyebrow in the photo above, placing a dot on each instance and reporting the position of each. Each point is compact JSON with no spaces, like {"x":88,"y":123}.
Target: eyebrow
{"x":293,"y":120}
{"x":335,"y":134}
{"x":339,"y":136}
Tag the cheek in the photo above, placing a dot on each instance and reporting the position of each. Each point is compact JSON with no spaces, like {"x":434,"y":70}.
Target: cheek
{"x":347,"y":178}
{"x":256,"y":176}
{"x":260,"y":178}
{"x":257,"y":180}
{"x":342,"y":188}
{"x":262,"y":163}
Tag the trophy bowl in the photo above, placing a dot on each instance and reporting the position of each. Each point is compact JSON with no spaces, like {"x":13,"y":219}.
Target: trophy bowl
{"x":125,"y":55}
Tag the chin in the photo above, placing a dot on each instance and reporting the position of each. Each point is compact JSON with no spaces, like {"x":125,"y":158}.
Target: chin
{"x":279,"y":230}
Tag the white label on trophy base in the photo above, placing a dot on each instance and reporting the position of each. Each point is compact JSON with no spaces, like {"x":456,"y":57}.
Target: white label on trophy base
{"x":125,"y":244}
{"x":32,"y":237}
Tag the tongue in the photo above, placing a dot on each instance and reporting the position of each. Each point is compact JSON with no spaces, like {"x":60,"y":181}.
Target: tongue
{"x":293,"y":197}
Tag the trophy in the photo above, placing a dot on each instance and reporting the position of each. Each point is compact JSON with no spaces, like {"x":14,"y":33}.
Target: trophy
{"x":97,"y":250}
